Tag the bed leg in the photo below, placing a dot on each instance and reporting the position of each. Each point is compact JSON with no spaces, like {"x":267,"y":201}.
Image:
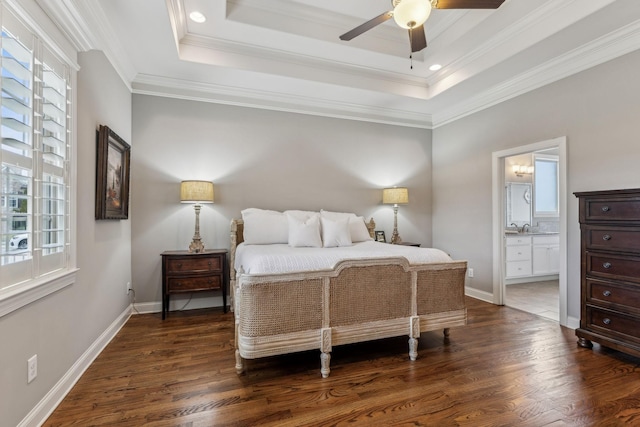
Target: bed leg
{"x":446,"y":334}
{"x":413,"y":348}
{"x":325,"y":359}
{"x":239,"y":364}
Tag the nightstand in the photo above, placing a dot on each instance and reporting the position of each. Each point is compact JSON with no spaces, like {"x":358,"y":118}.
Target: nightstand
{"x":185,"y":272}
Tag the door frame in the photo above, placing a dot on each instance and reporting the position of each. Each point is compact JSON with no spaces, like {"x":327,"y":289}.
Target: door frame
{"x":498,"y":216}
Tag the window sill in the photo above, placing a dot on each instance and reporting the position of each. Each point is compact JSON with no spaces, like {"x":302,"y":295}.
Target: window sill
{"x":17,"y":296}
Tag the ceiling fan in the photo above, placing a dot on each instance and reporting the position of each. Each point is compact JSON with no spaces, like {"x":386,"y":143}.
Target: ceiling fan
{"x":412,"y":14}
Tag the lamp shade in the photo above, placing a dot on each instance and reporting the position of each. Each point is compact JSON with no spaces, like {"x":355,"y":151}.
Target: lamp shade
{"x":395,"y":196}
{"x":196,"y":192}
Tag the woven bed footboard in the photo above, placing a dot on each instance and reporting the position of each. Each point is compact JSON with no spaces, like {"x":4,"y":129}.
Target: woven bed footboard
{"x":359,"y":300}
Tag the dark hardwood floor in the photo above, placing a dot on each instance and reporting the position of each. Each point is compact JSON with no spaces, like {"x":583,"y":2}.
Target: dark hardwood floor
{"x":505,"y":368}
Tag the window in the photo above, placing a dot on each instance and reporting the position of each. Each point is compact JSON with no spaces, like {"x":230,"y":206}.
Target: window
{"x":546,"y":186}
{"x":35,"y":159}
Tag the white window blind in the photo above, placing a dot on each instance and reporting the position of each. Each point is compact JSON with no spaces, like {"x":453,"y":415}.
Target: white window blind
{"x":35,"y":157}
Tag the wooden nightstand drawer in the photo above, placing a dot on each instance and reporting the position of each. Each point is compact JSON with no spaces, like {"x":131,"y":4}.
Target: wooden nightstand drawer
{"x":193,"y":265}
{"x":190,"y":284}
{"x":184,"y":272}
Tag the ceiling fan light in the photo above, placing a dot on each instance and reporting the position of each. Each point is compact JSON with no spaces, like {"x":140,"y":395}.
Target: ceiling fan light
{"x":411,"y":13}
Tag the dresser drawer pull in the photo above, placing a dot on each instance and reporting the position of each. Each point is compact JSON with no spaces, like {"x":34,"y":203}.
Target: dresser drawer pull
{"x":606,"y":237}
{"x":606,"y":265}
{"x":178,"y":284}
{"x":607,"y":293}
{"x":605,"y":209}
{"x":179,"y":265}
{"x":606,"y":321}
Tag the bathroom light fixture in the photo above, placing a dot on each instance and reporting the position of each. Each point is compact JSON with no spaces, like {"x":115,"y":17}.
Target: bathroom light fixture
{"x":395,"y":196}
{"x":196,"y":192}
{"x":521,"y":170}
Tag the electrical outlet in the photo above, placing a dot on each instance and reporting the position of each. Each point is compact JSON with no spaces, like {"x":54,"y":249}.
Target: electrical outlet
{"x":470,"y":272}
{"x":128,"y":288}
{"x":32,"y":368}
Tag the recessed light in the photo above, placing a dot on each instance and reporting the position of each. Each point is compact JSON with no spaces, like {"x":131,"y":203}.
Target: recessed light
{"x":197,"y":17}
{"x":435,"y":67}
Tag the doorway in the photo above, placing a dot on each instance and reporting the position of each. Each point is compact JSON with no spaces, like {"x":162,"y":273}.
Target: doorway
{"x":523,"y":276}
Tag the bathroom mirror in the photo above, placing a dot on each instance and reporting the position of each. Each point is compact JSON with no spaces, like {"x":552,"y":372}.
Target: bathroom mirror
{"x":518,"y":203}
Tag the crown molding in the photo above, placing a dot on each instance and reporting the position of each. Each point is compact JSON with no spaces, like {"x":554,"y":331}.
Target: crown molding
{"x":87,"y":28}
{"x":613,"y":45}
{"x":277,"y":101}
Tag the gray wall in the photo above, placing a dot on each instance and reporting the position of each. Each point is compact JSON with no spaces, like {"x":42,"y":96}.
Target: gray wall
{"x":62,"y":326}
{"x":266,"y":159}
{"x":597,"y":110}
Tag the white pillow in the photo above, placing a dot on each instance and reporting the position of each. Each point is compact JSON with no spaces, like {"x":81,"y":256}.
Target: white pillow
{"x":304,"y":233}
{"x":358,"y":229}
{"x":335,"y":233}
{"x":357,"y":226}
{"x":264,"y":227}
{"x":302,"y":215}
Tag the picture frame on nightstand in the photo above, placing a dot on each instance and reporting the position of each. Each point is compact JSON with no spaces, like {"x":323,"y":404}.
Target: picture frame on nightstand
{"x":380,"y":237}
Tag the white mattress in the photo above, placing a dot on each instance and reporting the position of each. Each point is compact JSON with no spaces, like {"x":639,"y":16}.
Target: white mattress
{"x":278,"y":259}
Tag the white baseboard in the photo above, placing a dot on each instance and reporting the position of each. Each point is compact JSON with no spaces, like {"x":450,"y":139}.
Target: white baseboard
{"x":179,"y":303}
{"x":478,"y":294}
{"x":573,"y":322}
{"x":39,"y":414}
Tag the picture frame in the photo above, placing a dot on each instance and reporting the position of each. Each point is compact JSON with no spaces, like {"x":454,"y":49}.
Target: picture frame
{"x":113,"y":158}
{"x":380,"y":237}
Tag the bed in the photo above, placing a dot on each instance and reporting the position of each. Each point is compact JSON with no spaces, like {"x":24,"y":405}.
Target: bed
{"x":289,"y":295}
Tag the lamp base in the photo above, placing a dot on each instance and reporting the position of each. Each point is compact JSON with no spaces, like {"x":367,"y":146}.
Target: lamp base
{"x":395,"y":237}
{"x":196,"y":246}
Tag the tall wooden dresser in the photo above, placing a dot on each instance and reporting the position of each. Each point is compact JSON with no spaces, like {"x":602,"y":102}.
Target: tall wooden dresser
{"x":610,"y":269}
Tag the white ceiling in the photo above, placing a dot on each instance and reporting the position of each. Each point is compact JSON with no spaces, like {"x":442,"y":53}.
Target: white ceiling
{"x":286,"y":54}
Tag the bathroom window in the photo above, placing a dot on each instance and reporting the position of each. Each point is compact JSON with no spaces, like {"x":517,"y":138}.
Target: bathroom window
{"x":545,"y":186}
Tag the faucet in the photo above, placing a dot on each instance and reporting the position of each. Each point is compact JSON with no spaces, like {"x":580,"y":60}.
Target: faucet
{"x":525,"y":228}
{"x":513,"y":224}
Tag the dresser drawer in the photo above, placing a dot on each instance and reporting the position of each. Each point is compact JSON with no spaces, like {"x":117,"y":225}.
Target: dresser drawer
{"x":612,"y":238}
{"x":626,"y":297}
{"x":194,"y":264}
{"x":613,"y":266}
{"x":189,"y":284}
{"x":518,"y":268}
{"x":612,"y":209}
{"x":612,"y":323}
{"x":518,"y":240}
{"x":518,"y":253}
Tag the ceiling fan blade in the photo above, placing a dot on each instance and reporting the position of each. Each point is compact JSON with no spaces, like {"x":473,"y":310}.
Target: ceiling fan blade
{"x":366,"y":26}
{"x":468,"y":4}
{"x":417,"y":38}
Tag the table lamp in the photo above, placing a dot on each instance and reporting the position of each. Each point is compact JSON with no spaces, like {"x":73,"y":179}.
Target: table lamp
{"x":196,"y":192}
{"x":395,"y":196}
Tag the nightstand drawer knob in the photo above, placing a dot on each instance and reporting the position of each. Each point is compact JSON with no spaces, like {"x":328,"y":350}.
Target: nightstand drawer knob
{"x":605,"y":209}
{"x":606,"y":265}
{"x":607,"y":293}
{"x":606,"y":321}
{"x":606,"y":237}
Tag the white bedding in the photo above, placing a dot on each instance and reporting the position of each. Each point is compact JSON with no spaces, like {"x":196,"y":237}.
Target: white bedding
{"x":280,"y":258}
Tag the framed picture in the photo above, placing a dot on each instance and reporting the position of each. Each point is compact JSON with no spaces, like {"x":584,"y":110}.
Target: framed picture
{"x":112,"y":175}
{"x":380,"y":237}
